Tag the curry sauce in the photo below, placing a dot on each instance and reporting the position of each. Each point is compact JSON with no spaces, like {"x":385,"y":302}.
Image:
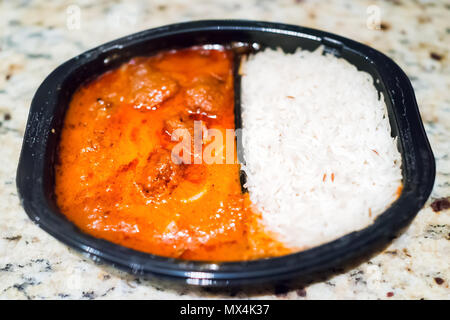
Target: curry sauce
{"x":117,"y":175}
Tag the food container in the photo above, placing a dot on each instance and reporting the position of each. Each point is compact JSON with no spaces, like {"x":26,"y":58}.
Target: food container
{"x":35,"y":175}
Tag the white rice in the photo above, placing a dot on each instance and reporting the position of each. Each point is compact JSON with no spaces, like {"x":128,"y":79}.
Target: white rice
{"x":307,"y":118}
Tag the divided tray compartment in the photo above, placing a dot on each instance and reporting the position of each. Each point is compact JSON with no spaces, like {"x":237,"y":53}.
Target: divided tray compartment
{"x":35,"y":176}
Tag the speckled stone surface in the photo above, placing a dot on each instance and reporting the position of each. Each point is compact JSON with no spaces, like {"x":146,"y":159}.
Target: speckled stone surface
{"x":36,"y":36}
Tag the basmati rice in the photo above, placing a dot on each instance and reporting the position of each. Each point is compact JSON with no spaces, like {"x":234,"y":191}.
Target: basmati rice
{"x":319,"y":156}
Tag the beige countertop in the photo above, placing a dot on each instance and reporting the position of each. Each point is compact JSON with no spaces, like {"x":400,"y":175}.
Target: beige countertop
{"x":36,"y":36}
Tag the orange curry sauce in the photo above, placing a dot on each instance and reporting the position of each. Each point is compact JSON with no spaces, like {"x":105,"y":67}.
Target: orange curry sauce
{"x":115,"y":178}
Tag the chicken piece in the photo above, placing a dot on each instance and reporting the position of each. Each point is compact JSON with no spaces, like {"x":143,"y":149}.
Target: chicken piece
{"x":181,"y":122}
{"x":189,"y":124}
{"x":149,"y":87}
{"x":206,"y":95}
{"x":160,"y":175}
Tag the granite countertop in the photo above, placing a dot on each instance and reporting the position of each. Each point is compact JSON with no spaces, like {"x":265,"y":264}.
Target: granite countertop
{"x":36,"y":36}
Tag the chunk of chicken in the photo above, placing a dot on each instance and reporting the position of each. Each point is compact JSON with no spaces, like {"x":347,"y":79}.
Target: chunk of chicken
{"x":206,"y":95}
{"x":150,"y":87}
{"x":189,"y":124}
{"x":160,"y":175}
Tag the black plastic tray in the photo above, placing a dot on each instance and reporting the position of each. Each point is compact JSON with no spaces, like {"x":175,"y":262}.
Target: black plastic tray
{"x":35,"y":176}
